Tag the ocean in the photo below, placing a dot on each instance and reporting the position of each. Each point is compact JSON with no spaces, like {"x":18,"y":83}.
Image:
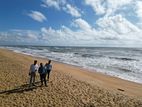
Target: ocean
{"x":125,"y":63}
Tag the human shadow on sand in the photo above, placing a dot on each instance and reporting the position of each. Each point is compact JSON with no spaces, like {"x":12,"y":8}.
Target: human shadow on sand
{"x":21,"y":89}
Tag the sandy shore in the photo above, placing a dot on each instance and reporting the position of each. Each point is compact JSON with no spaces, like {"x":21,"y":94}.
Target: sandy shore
{"x":68,"y":86}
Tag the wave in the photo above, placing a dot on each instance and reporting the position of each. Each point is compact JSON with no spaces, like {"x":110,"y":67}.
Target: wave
{"x":110,"y":61}
{"x":124,"y":59}
{"x":87,"y":55}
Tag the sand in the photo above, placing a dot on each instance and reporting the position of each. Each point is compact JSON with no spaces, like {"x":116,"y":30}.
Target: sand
{"x":69,"y":86}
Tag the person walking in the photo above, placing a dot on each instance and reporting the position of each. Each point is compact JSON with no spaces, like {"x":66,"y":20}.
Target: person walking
{"x":42,"y":72}
{"x":48,"y":68}
{"x":32,"y":73}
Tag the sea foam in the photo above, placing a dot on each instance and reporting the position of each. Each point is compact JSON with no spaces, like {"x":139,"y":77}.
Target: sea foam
{"x":125,"y":63}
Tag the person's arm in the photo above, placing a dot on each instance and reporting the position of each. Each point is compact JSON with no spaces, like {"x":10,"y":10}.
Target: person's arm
{"x":50,"y":67}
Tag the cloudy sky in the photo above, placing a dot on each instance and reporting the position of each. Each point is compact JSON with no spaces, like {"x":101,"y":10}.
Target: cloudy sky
{"x":71,"y":22}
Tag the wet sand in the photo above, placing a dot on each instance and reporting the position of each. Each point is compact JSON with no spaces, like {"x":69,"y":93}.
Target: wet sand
{"x":69,"y":86}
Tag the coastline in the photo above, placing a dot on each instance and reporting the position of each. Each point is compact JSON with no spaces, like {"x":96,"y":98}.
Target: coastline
{"x":101,"y":60}
{"x":102,"y":80}
{"x":81,"y":77}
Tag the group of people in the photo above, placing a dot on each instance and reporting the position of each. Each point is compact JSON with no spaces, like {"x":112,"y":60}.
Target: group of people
{"x":43,"y":71}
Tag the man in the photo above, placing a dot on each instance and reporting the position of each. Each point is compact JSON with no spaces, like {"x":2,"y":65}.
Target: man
{"x":42,"y":73}
{"x":48,"y":68}
{"x":32,"y":73}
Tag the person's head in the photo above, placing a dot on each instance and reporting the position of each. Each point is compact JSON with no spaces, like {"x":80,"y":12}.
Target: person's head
{"x":46,"y":64}
{"x":35,"y":62}
{"x":41,"y":64}
{"x":49,"y":61}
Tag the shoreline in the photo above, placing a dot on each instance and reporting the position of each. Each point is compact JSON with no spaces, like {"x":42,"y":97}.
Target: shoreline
{"x":81,"y":67}
{"x":130,"y":76}
{"x":69,"y":85}
{"x":91,"y":76}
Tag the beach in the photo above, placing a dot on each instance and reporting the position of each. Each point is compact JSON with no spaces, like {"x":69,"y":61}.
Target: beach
{"x":69,"y":86}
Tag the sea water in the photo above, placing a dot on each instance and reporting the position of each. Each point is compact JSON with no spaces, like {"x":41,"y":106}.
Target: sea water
{"x":125,"y":63}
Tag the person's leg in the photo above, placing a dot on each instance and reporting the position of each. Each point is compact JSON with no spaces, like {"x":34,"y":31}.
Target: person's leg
{"x":41,"y":79}
{"x":34,"y":79}
{"x":30,"y":80}
{"x":48,"y":74}
{"x":44,"y":77}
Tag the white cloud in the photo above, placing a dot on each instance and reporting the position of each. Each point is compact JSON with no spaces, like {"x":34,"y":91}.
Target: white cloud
{"x":62,"y":5}
{"x":56,"y":37}
{"x":82,"y":24}
{"x":19,"y":36}
{"x":96,"y":5}
{"x":112,"y":31}
{"x":53,"y":3}
{"x":112,"y":27}
{"x":65,"y":36}
{"x":106,"y":35}
{"x":117,"y":23}
{"x":114,"y":5}
{"x":107,"y":7}
{"x":36,"y":15}
{"x":139,"y":9}
{"x":72,"y":10}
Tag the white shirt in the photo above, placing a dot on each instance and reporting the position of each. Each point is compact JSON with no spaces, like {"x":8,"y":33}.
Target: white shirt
{"x":33,"y":68}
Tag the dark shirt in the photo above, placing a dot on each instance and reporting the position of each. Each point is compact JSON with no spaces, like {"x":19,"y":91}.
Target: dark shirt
{"x":41,"y":70}
{"x":48,"y":67}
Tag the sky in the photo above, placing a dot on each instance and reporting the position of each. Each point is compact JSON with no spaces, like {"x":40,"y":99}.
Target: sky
{"x":106,"y":23}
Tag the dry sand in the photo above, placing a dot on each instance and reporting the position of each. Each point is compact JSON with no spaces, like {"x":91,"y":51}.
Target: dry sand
{"x":68,"y":86}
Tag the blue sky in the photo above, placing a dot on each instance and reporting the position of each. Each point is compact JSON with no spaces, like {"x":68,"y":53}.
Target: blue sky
{"x":14,"y":15}
{"x":71,"y":22}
